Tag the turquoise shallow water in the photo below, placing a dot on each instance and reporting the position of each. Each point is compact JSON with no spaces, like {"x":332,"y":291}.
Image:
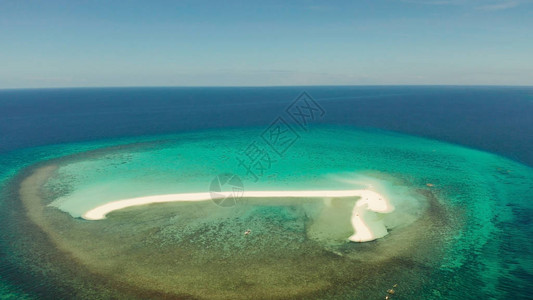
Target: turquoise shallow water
{"x":482,"y":242}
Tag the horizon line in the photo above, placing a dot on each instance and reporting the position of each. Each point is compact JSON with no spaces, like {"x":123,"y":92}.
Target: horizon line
{"x":263,"y":86}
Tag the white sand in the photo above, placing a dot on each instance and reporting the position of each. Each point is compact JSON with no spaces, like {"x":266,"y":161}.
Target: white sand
{"x":367,"y":225}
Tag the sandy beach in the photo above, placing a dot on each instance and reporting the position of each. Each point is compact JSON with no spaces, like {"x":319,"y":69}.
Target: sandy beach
{"x":366,"y":226}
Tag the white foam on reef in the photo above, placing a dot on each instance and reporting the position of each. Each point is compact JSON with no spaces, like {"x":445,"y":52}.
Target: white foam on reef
{"x":366,"y":226}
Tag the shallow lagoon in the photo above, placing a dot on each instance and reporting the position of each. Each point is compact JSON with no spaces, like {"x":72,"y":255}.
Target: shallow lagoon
{"x":454,"y":230}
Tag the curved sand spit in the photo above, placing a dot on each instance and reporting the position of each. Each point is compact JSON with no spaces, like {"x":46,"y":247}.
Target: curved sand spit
{"x":366,"y":227}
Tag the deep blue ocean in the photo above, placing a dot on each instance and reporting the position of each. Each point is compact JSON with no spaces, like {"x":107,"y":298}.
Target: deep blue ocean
{"x":494,"y":119}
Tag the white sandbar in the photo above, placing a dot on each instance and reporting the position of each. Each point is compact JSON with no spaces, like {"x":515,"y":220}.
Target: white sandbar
{"x":366,"y":226}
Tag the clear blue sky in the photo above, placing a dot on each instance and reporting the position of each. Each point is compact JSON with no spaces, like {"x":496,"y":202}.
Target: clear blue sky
{"x":249,"y":43}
